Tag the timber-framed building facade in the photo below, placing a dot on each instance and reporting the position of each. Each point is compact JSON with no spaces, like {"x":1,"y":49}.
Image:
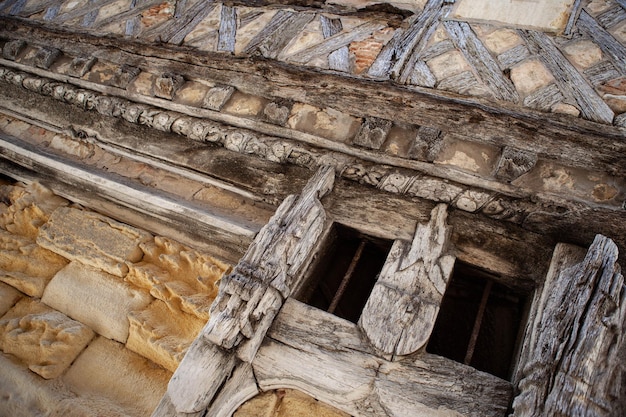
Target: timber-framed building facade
{"x":303,"y":207}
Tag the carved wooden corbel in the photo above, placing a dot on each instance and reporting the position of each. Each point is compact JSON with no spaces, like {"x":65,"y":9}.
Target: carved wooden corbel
{"x":401,"y":311}
{"x":251,"y":295}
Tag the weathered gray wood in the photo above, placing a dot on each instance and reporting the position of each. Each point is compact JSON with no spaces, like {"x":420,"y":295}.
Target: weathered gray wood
{"x":335,"y":42}
{"x":574,"y":367}
{"x":481,"y":60}
{"x":611,"y":17}
{"x":622,"y":3}
{"x":513,"y":56}
{"x":438,"y":387}
{"x":128,"y":15}
{"x":437,"y":49}
{"x":568,"y":79}
{"x":396,"y":52}
{"x":338,"y":60}
{"x":250,"y":296}
{"x":401,"y":311}
{"x":609,"y":45}
{"x":573,"y":17}
{"x":278,"y":33}
{"x":415,"y":66}
{"x":88,"y":8}
{"x":544,"y":98}
{"x":460,"y":83}
{"x":175,"y":30}
{"x":601,"y":72}
{"x":514,"y":163}
{"x":90,"y":17}
{"x":199,"y":376}
{"x":422,"y":75}
{"x":228,"y":29}
{"x":167,"y":409}
{"x":361,"y":384}
{"x":240,"y":387}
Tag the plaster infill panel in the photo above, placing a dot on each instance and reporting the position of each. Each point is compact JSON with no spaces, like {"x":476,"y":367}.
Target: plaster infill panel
{"x":95,"y":298}
{"x":545,"y":15}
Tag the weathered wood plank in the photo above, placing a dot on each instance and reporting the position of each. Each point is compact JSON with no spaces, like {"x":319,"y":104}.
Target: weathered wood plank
{"x":544,"y":98}
{"x":573,"y":18}
{"x":228,"y":29}
{"x":88,"y":8}
{"x":609,"y":45}
{"x":174,"y":30}
{"x":240,"y":387}
{"x":278,"y":33}
{"x":513,"y":56}
{"x":338,"y":60}
{"x":568,"y":79}
{"x":574,"y":367}
{"x":438,"y":387}
{"x":335,"y":42}
{"x":401,"y":310}
{"x":167,"y":409}
{"x":600,"y":73}
{"x":396,"y":52}
{"x":481,"y":60}
{"x":611,"y":17}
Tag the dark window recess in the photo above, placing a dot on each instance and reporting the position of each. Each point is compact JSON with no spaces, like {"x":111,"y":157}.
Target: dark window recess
{"x":346,"y":272}
{"x":479,"y":322}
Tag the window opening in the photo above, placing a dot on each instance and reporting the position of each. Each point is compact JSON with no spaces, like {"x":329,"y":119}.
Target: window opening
{"x":346,"y":272}
{"x":479,"y":321}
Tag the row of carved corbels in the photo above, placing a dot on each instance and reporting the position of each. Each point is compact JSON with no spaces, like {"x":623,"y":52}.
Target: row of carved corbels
{"x":384,"y":177}
{"x":250,"y":297}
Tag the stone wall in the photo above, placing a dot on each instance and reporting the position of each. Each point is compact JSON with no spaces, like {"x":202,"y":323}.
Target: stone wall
{"x":95,"y":315}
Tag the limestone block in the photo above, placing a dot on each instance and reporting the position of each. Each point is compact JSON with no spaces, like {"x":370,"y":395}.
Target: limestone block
{"x":143,"y":84}
{"x":95,"y":298}
{"x":45,"y":339}
{"x":27,"y":266}
{"x":166,"y":85}
{"x":106,"y":369}
{"x":162,"y":335}
{"x":28,"y":209}
{"x":245,"y":104}
{"x":530,"y":76}
{"x":191,"y":93}
{"x":181,"y":277}
{"x":502,"y":40}
{"x":8,"y":297}
{"x":448,"y":64}
{"x":583,"y":54}
{"x":564,"y":108}
{"x":92,"y":239}
{"x":327,"y":123}
{"x":469,"y":156}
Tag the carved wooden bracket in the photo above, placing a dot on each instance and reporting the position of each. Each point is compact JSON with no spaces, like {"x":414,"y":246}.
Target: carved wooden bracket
{"x":574,"y":364}
{"x":251,"y":295}
{"x":401,"y":311}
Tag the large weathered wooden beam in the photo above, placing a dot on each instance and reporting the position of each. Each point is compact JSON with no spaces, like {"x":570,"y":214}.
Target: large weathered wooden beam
{"x":401,"y":310}
{"x":360,"y":383}
{"x":574,"y":367}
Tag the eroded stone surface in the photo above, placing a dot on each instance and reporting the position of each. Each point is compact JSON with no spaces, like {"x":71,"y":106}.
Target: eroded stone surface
{"x":327,"y":123}
{"x":100,"y":300}
{"x":161,"y":334}
{"x":469,"y":156}
{"x":529,"y":76}
{"x":92,"y":239}
{"x":8,"y":297}
{"x":45,"y":339}
{"x":106,"y":369}
{"x":286,"y":403}
{"x":183,"y":278}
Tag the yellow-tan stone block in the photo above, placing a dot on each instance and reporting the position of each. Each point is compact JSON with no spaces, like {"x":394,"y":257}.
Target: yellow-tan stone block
{"x":327,"y":123}
{"x":448,"y":64}
{"x":181,"y":277}
{"x":8,"y":297}
{"x":286,"y":403}
{"x":95,"y":298}
{"x":469,"y":156}
{"x":583,"y":54}
{"x":27,"y":266}
{"x":106,"y":369}
{"x":502,"y":40}
{"x":45,"y":339}
{"x":245,"y":104}
{"x":530,"y":76}
{"x":92,"y":239}
{"x":162,"y":335}
{"x":29,"y":208}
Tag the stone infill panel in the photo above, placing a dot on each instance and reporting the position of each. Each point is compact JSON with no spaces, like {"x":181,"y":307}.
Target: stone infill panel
{"x":88,"y":339}
{"x":477,"y":60}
